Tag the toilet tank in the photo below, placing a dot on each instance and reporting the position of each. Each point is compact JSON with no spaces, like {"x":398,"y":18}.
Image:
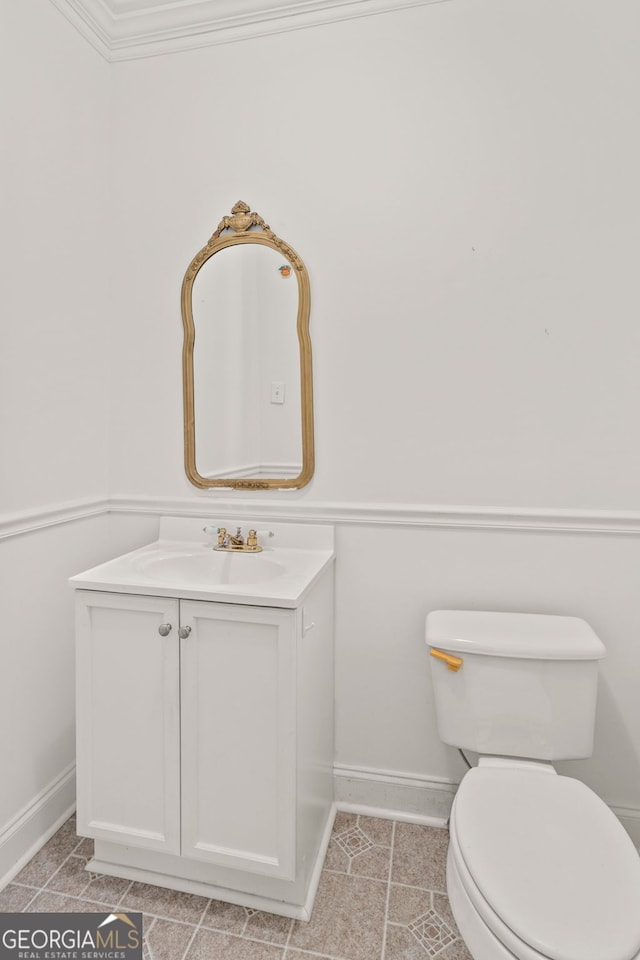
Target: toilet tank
{"x":525,"y":685}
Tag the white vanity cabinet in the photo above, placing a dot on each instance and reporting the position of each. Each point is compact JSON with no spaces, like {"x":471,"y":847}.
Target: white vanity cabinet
{"x":205,"y":742}
{"x":238,"y":681}
{"x":128,"y":720}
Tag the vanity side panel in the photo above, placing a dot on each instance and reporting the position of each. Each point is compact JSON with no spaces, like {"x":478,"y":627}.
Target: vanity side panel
{"x":315,"y":721}
{"x":128,"y":726}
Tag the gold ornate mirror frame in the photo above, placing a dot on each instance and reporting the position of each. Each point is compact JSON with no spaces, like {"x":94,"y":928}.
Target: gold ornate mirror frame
{"x":246,"y":227}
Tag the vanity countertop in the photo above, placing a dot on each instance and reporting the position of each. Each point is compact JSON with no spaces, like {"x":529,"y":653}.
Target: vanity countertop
{"x":182,"y":563}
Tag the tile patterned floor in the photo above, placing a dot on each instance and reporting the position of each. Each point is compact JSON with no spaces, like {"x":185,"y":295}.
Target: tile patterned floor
{"x":381,"y":897}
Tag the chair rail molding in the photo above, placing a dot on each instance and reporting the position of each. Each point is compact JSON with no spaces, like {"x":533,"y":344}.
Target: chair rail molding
{"x":133,"y":29}
{"x":27,"y":521}
{"x":560,"y":520}
{"x":595,"y":522}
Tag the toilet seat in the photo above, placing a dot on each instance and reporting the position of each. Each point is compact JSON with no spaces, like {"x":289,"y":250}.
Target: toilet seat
{"x":546,"y":865}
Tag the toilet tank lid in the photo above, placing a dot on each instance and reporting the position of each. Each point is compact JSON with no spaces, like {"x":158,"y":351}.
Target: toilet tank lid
{"x":531,"y":636}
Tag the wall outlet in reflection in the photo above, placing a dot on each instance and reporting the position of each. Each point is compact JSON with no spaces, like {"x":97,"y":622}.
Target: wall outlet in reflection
{"x":277,"y":391}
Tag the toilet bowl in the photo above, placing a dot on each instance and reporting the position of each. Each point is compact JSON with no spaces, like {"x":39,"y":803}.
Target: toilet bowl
{"x":540,"y":869}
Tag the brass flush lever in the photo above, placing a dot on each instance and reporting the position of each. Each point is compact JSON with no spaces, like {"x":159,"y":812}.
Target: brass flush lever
{"x":453,"y":663}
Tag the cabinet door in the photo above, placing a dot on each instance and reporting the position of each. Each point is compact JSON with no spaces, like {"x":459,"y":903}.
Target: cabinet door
{"x":128,"y":726}
{"x":238,"y":737}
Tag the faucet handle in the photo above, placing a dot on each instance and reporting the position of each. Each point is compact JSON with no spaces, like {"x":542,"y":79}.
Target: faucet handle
{"x":214,"y":530}
{"x":252,"y":537}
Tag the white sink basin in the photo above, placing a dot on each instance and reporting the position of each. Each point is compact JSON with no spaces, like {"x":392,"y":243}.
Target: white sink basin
{"x":209,"y":569}
{"x":183,"y":563}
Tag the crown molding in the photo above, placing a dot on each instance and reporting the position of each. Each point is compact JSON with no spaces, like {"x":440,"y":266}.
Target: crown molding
{"x":90,"y":18}
{"x":133,"y":29}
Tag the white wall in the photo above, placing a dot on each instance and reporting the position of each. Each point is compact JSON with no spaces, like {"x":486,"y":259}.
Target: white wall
{"x":461,"y":181}
{"x":53,"y":395}
{"x":54,"y":376}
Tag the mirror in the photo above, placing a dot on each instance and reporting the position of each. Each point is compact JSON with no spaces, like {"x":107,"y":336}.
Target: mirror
{"x":248,"y":408}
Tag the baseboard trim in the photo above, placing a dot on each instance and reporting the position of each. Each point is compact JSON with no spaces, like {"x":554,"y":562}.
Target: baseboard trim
{"x":23,"y":836}
{"x":630,"y":820}
{"x":418,"y":799}
{"x":388,"y":794}
{"x":393,"y":795}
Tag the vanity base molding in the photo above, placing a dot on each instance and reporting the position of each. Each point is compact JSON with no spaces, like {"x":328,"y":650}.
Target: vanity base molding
{"x":175,"y":873}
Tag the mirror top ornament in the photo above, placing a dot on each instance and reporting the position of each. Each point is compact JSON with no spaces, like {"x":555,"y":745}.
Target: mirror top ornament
{"x":247,"y":379}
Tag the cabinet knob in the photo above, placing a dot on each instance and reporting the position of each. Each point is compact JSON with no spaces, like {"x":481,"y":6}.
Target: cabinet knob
{"x":184,"y":632}
{"x":164,"y":629}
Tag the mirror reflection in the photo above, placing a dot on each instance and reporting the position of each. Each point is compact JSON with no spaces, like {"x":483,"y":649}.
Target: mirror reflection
{"x":246,"y":366}
{"x":247,"y":360}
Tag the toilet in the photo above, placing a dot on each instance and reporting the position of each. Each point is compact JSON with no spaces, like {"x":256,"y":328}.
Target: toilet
{"x":538,"y":867}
